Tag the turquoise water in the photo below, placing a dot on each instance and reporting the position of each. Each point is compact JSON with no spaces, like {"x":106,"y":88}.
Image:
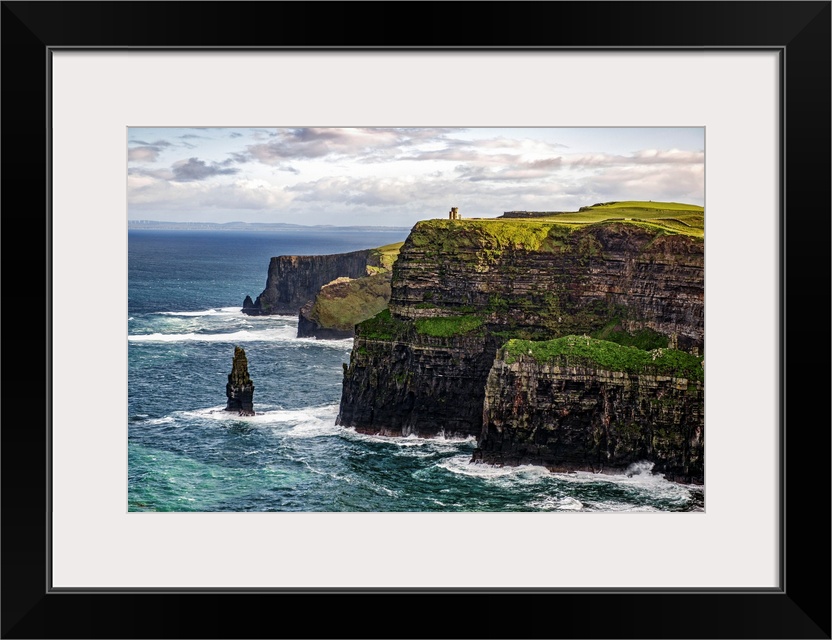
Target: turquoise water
{"x":187,"y":454}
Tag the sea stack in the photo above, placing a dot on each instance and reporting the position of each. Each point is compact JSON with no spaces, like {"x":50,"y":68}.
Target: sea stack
{"x":240,"y":388}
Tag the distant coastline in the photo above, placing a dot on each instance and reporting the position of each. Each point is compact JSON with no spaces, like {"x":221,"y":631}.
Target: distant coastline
{"x":158,"y":225}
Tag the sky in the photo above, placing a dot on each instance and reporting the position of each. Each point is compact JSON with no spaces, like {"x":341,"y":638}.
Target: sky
{"x":397,"y":176}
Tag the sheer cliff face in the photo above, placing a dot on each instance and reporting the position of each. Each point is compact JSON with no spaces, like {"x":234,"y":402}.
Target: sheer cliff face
{"x":561,"y":281}
{"x":416,"y":385}
{"x":294,"y":280}
{"x":587,"y":418}
{"x":461,"y":289}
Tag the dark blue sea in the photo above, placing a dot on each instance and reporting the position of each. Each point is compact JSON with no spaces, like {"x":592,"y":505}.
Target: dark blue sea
{"x":187,"y":454}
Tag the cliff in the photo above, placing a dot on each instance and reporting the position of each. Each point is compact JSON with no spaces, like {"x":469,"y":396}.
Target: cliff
{"x":462,"y":289}
{"x":330,"y":293}
{"x":292,"y":281}
{"x":582,"y":404}
{"x":342,"y":304}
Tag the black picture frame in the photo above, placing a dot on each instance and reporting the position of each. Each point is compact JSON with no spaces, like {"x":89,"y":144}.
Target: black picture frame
{"x":800,"y":608}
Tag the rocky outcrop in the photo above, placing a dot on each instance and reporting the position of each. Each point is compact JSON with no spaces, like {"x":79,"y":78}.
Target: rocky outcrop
{"x":293,"y":281}
{"x":461,"y":289}
{"x":240,"y":388}
{"x":342,"y":304}
{"x":410,"y":383}
{"x":569,"y":413}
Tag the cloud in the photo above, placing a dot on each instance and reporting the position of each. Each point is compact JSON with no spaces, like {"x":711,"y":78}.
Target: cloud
{"x":147,"y":152}
{"x":159,"y":174}
{"x":642,"y":157}
{"x":143,"y":154}
{"x":148,"y":193}
{"x":677,"y":183}
{"x":158,"y":144}
{"x":531,"y":170}
{"x":196,"y":169}
{"x":360,"y":144}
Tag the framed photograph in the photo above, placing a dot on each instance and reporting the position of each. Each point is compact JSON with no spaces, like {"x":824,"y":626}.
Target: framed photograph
{"x":188,"y":446}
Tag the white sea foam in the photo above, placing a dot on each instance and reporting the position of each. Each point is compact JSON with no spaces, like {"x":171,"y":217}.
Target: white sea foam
{"x":639,"y":478}
{"x":609,"y":505}
{"x":301,"y":423}
{"x":551,"y":503}
{"x":192,"y":314}
{"x":438,"y":442}
{"x":522,"y":474}
{"x":312,"y":423}
{"x":278,"y":334}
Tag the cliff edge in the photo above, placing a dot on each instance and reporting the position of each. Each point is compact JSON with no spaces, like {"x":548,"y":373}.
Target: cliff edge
{"x":462,"y":289}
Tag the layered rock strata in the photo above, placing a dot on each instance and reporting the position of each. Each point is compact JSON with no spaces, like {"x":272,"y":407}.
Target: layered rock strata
{"x":293,"y":281}
{"x":571,"y":414}
{"x":461,"y":289}
{"x":240,"y":388}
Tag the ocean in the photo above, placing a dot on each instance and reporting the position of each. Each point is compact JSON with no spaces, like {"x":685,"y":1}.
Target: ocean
{"x":185,"y":453}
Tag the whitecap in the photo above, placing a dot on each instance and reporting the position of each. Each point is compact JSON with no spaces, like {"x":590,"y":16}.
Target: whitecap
{"x":523,"y":473}
{"x":551,"y":503}
{"x":191,"y":314}
{"x":620,"y":507}
{"x":638,"y":477}
{"x":165,"y":420}
{"x":280,"y":334}
{"x":304,"y":423}
{"x":437,"y":442}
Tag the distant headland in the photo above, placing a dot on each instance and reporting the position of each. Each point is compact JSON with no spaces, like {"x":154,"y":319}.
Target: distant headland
{"x":161,"y":225}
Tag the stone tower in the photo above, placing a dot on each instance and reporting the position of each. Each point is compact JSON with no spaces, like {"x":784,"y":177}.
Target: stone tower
{"x":454,"y":214}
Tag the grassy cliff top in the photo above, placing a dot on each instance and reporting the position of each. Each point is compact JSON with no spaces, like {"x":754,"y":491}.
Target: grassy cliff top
{"x":672,"y":217}
{"x":345,"y":302}
{"x":385,"y":256}
{"x":531,"y":233}
{"x":609,"y":356}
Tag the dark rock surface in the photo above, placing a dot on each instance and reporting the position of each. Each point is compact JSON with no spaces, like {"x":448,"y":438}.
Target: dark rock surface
{"x":573,"y":284}
{"x":584,"y":418}
{"x":560,"y":282}
{"x":309,"y":327}
{"x":420,"y":385}
{"x":293,"y":281}
{"x":240,"y":388}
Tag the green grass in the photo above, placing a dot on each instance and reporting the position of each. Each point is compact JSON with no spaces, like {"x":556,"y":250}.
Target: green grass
{"x":343,"y":305}
{"x":383,"y":326}
{"x":646,"y":339}
{"x":494,"y":235}
{"x":649,"y":204}
{"x":551,"y":233}
{"x":387,"y":254}
{"x":449,"y":326}
{"x":586,"y":351}
{"x":673,"y":217}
